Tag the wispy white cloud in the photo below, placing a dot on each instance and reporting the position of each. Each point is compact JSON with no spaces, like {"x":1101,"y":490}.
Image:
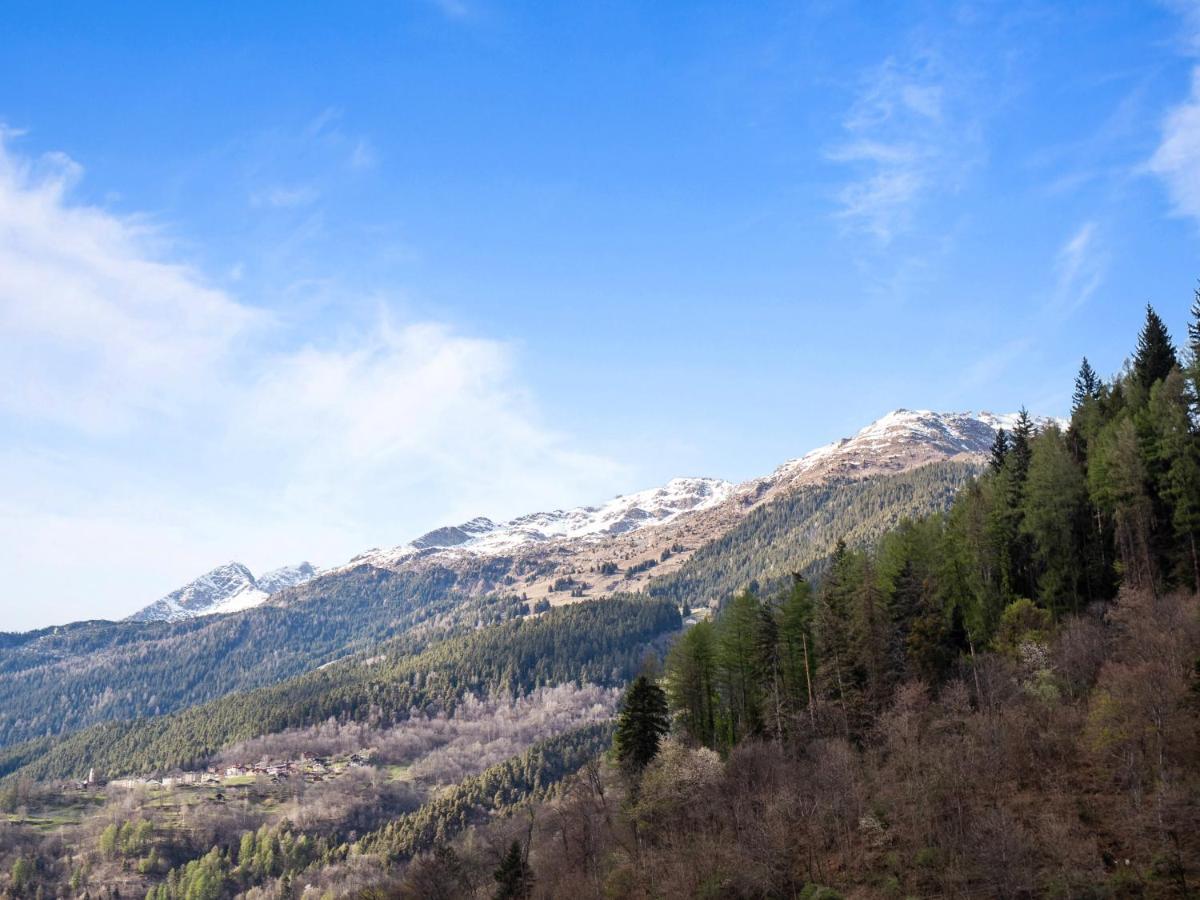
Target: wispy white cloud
{"x":96,"y":329}
{"x":1177,"y":159}
{"x":1079,"y":268}
{"x":158,"y":424}
{"x":904,"y":141}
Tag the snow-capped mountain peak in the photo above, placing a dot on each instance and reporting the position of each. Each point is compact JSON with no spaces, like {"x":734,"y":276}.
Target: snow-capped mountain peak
{"x":623,"y":514}
{"x":901,"y":439}
{"x":228,"y":588}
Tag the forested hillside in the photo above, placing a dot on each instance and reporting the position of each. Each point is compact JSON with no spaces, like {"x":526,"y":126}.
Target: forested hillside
{"x":58,"y":680}
{"x":600,"y":642}
{"x":797,"y":533}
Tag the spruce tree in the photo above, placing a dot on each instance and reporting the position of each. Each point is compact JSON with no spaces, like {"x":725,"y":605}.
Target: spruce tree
{"x":908,"y":595}
{"x":999,"y":450}
{"x":514,"y":878}
{"x":1155,"y":355}
{"x":641,"y":725}
{"x":1175,"y":464}
{"x":1087,"y":386}
{"x":1022,"y":451}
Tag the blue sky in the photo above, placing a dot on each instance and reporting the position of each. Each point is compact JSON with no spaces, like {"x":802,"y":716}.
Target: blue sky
{"x":285,"y":281}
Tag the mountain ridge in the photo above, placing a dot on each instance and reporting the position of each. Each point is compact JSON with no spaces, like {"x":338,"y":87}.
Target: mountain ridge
{"x":565,"y":554}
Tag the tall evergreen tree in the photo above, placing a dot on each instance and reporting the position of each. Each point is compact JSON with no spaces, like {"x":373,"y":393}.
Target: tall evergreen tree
{"x":1155,"y":354}
{"x":1022,"y":451}
{"x":1194,"y":326}
{"x":1014,"y":547}
{"x":514,"y":877}
{"x":641,"y":725}
{"x":908,"y":596}
{"x":1087,"y":386}
{"x":999,"y":450}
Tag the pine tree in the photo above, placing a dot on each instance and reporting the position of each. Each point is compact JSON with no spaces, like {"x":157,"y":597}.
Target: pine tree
{"x":641,"y":725}
{"x":514,"y":877}
{"x":1022,"y":451}
{"x":999,"y":450}
{"x":1087,"y":386}
{"x":1155,"y":355}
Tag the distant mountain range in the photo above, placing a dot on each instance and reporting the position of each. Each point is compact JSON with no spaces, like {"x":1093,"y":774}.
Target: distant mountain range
{"x":693,"y":542}
{"x":619,"y":545}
